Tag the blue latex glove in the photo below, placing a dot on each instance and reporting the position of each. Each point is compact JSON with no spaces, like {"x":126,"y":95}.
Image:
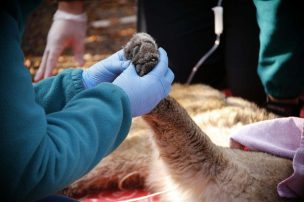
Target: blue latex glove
{"x":106,"y":70}
{"x":147,"y":91}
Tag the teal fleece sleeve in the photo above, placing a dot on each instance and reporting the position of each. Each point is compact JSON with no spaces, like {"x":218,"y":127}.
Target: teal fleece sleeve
{"x":54,"y":92}
{"x":281,"y":47}
{"x":42,"y":151}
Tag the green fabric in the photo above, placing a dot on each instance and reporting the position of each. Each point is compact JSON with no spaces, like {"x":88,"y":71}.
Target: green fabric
{"x":54,"y":92}
{"x":281,"y":61}
{"x":54,"y":133}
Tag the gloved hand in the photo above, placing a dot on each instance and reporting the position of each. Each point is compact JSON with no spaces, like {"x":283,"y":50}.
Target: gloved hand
{"x":147,"y":91}
{"x":67,"y":30}
{"x":106,"y":70}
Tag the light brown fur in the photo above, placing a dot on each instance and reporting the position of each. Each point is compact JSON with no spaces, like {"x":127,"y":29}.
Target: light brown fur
{"x":194,"y":169}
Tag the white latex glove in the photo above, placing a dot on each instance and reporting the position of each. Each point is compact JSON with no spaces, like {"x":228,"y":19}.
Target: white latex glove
{"x":67,"y":30}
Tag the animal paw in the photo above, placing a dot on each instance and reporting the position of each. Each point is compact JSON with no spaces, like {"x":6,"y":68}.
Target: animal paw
{"x":142,"y":51}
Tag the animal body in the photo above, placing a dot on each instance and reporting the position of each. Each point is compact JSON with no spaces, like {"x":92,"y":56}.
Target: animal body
{"x":180,"y":159}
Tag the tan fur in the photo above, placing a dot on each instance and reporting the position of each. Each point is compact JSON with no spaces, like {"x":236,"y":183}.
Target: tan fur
{"x":182,"y":160}
{"x":194,"y":169}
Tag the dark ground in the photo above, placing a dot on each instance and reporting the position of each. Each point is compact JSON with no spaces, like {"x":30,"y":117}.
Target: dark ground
{"x":100,"y":42}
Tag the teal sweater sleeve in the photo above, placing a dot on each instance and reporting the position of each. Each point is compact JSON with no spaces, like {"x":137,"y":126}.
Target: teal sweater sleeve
{"x":53,"y":93}
{"x":46,"y":143}
{"x":281,"y":47}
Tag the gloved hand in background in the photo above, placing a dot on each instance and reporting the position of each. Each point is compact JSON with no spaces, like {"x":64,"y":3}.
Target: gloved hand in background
{"x":67,"y":30}
{"x":106,"y":70}
{"x":147,"y":91}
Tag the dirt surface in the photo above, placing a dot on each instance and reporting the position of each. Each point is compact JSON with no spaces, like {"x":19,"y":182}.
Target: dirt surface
{"x":111,"y":23}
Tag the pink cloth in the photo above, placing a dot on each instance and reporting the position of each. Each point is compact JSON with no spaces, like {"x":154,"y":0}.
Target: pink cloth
{"x":282,"y":137}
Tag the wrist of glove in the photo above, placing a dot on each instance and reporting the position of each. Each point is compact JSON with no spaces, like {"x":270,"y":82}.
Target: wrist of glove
{"x":106,"y":70}
{"x":147,"y":91}
{"x":62,"y":15}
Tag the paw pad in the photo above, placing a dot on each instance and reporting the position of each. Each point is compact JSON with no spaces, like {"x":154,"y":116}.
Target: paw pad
{"x":142,"y":51}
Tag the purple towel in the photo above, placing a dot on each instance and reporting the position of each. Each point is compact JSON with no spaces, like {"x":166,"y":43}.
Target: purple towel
{"x":282,"y":137}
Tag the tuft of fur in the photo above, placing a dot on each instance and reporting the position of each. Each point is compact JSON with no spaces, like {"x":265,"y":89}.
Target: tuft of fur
{"x":180,"y":158}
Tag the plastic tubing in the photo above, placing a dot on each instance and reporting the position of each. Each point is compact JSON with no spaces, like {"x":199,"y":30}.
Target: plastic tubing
{"x":218,"y":29}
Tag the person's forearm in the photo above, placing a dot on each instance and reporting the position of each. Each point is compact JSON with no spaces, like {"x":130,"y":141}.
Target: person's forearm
{"x":74,"y":7}
{"x":53,"y":93}
{"x":41,"y":153}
